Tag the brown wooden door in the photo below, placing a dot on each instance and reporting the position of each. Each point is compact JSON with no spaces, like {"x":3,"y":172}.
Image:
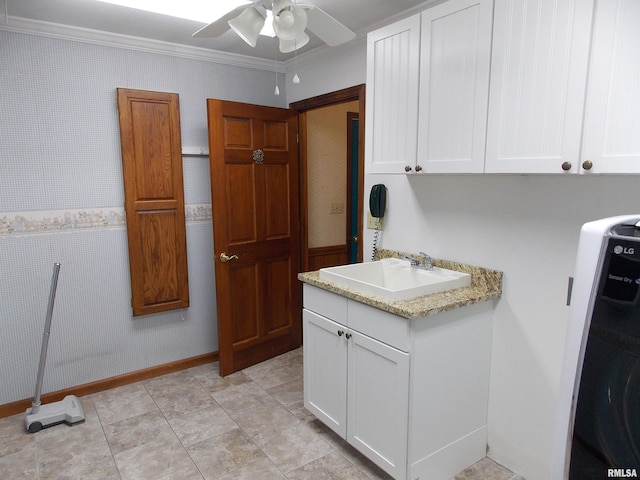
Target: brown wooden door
{"x":255,"y":197}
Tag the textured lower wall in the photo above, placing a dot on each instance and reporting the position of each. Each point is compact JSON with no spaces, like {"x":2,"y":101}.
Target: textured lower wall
{"x":93,"y":335}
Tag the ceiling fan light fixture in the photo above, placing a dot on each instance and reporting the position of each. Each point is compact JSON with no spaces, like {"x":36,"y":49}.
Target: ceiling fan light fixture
{"x":289,"y":20}
{"x":249,"y":23}
{"x":286,"y":19}
{"x":288,"y":46}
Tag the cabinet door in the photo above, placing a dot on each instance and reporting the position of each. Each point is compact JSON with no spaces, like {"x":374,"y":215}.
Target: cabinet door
{"x":325,"y":371}
{"x":378,"y":403}
{"x":538,"y":82}
{"x":454,"y":86}
{"x":612,"y":118}
{"x":392,"y":96}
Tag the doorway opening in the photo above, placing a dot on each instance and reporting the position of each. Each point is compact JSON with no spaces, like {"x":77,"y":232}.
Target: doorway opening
{"x":331,"y":130}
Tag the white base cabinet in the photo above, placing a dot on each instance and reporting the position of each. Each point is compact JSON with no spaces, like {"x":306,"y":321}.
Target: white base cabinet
{"x":411,"y":395}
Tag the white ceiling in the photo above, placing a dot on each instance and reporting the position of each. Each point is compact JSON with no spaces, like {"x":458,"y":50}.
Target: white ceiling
{"x":360,"y":16}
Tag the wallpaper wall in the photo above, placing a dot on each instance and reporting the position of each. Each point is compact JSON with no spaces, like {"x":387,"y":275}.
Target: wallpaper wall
{"x":327,"y":166}
{"x":62,"y":198}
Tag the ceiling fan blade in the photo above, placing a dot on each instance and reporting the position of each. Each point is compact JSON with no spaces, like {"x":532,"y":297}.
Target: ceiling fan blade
{"x":325,"y":27}
{"x":221,"y":25}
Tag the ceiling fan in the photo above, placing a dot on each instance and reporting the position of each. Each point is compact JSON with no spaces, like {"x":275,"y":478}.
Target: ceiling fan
{"x":290,"y":20}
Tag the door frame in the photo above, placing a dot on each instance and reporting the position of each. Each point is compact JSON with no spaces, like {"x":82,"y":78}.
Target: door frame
{"x":350,"y":94}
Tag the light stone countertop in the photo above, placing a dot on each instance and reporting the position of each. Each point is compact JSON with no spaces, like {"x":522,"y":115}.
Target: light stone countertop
{"x":485,"y":285}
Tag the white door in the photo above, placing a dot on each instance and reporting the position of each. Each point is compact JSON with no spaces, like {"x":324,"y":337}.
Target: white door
{"x":539,"y":64}
{"x":393,"y":62}
{"x":378,"y":402}
{"x":612,"y":116}
{"x":325,"y":370}
{"x":455,"y":54}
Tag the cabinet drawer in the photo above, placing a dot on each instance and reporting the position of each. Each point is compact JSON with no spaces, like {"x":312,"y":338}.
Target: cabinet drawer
{"x":325,"y":303}
{"x":383,"y":326}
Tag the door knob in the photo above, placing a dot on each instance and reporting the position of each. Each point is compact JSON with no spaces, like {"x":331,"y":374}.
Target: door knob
{"x":587,"y":164}
{"x":224,"y":258}
{"x":566,"y":166}
{"x":355,"y":239}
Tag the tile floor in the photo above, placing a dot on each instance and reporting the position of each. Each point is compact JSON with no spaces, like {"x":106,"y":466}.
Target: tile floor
{"x":193,"y":424}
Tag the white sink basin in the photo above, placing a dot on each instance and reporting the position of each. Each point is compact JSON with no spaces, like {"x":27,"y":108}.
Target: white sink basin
{"x":394,"y":279}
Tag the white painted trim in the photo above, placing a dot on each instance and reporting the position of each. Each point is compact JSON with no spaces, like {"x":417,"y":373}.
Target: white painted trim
{"x":46,"y":29}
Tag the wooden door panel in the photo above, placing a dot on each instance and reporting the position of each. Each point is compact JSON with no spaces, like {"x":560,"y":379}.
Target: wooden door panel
{"x":254,"y":190}
{"x":154,"y":200}
{"x":152,"y":143}
{"x":278,"y":300}
{"x":277,"y":206}
{"x":161,"y":282}
{"x":241,"y":204}
{"x":243,"y":281}
{"x":275,"y":136}
{"x":238,"y":133}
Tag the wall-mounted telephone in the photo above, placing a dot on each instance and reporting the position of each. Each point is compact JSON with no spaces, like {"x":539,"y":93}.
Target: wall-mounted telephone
{"x":378,"y":200}
{"x":377,"y":206}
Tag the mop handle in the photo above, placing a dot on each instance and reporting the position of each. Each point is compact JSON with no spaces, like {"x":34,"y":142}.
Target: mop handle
{"x":45,"y":337}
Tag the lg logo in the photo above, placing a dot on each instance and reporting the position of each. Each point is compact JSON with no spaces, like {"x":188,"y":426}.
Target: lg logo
{"x":618,"y":249}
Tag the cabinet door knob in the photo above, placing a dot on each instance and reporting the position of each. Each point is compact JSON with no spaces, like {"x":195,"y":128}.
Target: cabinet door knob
{"x":348,"y":335}
{"x":340,"y":333}
{"x":587,"y":164}
{"x":407,"y":168}
{"x":566,"y":166}
{"x":418,"y":168}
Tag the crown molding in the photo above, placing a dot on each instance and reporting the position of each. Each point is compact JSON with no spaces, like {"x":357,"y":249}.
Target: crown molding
{"x":78,"y":34}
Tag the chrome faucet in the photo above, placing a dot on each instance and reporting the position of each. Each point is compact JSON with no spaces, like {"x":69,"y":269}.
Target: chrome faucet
{"x":425,"y":263}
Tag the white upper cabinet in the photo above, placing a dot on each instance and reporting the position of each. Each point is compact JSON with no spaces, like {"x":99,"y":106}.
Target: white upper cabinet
{"x":611,"y":141}
{"x":511,"y":86}
{"x":539,"y":65}
{"x":393,"y":55}
{"x":565,"y":87}
{"x":455,"y":54}
{"x":437,"y":64}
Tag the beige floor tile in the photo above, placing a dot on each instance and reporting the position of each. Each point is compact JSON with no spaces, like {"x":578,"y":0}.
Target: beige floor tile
{"x":13,"y":435}
{"x":288,"y":393}
{"x":485,"y":469}
{"x":123,"y":402}
{"x":225,"y":453}
{"x":176,"y":399}
{"x":131,"y":432}
{"x":264,"y":421}
{"x":188,"y":473}
{"x":69,"y":461}
{"x":245,"y":396}
{"x":201,"y":424}
{"x":294,"y":447}
{"x":213,"y":382}
{"x":332,"y":466}
{"x":152,"y":459}
{"x":20,"y":465}
{"x":261,"y":469}
{"x":274,"y":372}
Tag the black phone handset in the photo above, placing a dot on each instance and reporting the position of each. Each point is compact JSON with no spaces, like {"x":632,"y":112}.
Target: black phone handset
{"x":378,"y":200}
{"x":377,"y":207}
